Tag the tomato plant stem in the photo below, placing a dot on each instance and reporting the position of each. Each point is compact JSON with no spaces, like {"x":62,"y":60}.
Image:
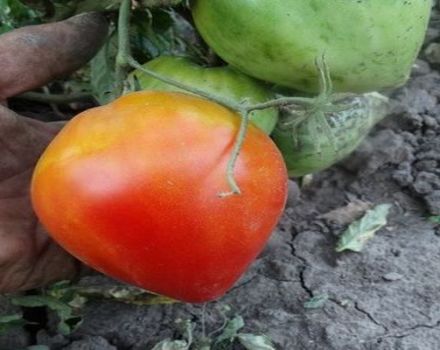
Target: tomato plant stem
{"x":123,"y":44}
{"x":239,"y":140}
{"x":282,"y":102}
{"x":227,"y":103}
{"x":55,"y":98}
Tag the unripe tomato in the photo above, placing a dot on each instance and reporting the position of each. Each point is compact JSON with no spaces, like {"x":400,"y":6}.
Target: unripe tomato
{"x":225,"y":82}
{"x":368,"y":44}
{"x":132,"y":189}
{"x":308,"y":149}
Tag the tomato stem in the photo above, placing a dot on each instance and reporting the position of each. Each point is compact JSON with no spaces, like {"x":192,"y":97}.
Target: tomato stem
{"x":282,"y":102}
{"x":224,"y":102}
{"x":123,"y":44}
{"x":58,"y":99}
{"x":235,"y":189}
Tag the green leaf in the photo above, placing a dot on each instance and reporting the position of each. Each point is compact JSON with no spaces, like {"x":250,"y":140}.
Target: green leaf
{"x":122,"y":293}
{"x":61,"y":291}
{"x":10,"y":318}
{"x":8,"y":322}
{"x":63,"y":310}
{"x":163,"y":32}
{"x":63,"y":9}
{"x":231,"y":330}
{"x":157,"y":3}
{"x":93,"y":5}
{"x":169,"y":344}
{"x":69,"y":325}
{"x":316,"y":302}
{"x":102,"y":72}
{"x":60,"y":285}
{"x":359,"y":232}
{"x":5,"y":28}
{"x":63,"y":328}
{"x":69,"y":321}
{"x":77,"y":301}
{"x":113,"y":5}
{"x":255,"y":342}
{"x":41,"y":6}
{"x":14,"y":14}
{"x":434,"y":219}
{"x":38,"y":347}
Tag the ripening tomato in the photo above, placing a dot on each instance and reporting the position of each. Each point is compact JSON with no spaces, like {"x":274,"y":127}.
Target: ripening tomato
{"x":132,"y":189}
{"x":368,"y":44}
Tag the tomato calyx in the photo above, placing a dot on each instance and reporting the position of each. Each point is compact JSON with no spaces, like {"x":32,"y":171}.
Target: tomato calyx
{"x":326,"y":102}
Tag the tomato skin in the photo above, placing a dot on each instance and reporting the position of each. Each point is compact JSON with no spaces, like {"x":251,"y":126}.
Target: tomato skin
{"x":221,"y":81}
{"x":368,"y":45}
{"x":131,"y":189}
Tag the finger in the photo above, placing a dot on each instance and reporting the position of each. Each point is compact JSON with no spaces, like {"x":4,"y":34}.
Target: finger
{"x":34,"y":55}
{"x":22,"y":140}
{"x":28,"y":257}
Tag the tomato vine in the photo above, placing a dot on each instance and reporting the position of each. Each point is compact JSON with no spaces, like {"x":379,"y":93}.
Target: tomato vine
{"x":323,"y":103}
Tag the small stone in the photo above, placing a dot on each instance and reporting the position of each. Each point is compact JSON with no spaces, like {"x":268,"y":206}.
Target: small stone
{"x":430,"y":149}
{"x":428,"y":82}
{"x":386,"y":147}
{"x":392,"y":276}
{"x":420,"y":67}
{"x":410,"y":138}
{"x":403,"y":178}
{"x":426,"y":165}
{"x":426,"y":182}
{"x":432,"y":53}
{"x":396,"y":252}
{"x":51,"y":341}
{"x":90,"y":343}
{"x":403,"y":175}
{"x":430,"y":122}
{"x":345,"y":215}
{"x":416,"y":101}
{"x":433,"y":32}
{"x":281,"y":270}
{"x":430,"y":133}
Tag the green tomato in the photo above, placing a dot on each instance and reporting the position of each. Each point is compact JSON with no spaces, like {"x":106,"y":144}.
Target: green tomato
{"x":369,"y":45}
{"x":311,"y":147}
{"x":225,"y":82}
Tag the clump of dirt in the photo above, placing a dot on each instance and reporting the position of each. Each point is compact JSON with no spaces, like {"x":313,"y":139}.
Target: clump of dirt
{"x":417,"y":118}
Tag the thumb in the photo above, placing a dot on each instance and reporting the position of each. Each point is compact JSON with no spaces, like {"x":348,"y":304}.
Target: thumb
{"x":22,"y":140}
{"x":34,"y":55}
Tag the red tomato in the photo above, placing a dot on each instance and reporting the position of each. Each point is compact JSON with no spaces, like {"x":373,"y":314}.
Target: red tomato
{"x":131,"y":189}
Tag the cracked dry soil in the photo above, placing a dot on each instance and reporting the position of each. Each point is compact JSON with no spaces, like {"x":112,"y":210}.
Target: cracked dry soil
{"x":385,"y":298}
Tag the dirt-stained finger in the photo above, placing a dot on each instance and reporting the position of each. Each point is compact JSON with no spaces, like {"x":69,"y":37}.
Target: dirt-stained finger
{"x":34,"y":55}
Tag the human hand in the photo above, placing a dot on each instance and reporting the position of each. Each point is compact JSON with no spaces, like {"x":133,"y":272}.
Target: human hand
{"x":30,"y":57}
